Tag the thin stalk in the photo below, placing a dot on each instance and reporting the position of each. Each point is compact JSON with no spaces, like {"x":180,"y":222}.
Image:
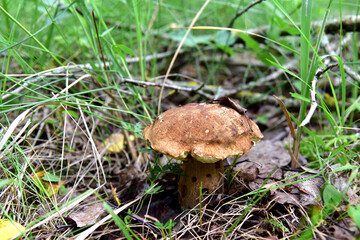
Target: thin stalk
{"x":140,"y":47}
{"x":304,"y":63}
{"x":354,"y":93}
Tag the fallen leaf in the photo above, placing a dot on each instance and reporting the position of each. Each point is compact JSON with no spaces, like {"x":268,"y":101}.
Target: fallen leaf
{"x":87,"y":215}
{"x":10,"y":229}
{"x":308,"y":190}
{"x":114,"y":143}
{"x":48,"y":182}
{"x":284,"y":197}
{"x":341,"y":233}
{"x":267,"y":154}
{"x":344,"y":229}
{"x":249,"y":173}
{"x":126,"y":174}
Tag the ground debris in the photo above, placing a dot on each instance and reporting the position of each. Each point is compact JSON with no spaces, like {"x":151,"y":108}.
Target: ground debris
{"x":344,"y":229}
{"x":266,"y":155}
{"x":308,"y":190}
{"x":87,"y":214}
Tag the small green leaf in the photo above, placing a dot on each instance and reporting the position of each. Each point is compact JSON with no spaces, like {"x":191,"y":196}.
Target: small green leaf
{"x":125,"y":49}
{"x":249,"y":42}
{"x":118,"y":50}
{"x":71,"y":113}
{"x":52,"y":122}
{"x":50,"y":178}
{"x":190,"y":40}
{"x":169,"y":224}
{"x":225,"y":38}
{"x":332,"y":198}
{"x":262,"y":54}
{"x":297,"y":84}
{"x":263,"y":119}
{"x":107,"y":31}
{"x":138,"y":130}
{"x":4,"y":182}
{"x":354,"y":212}
{"x":145,"y":150}
{"x":298,"y":96}
{"x":62,"y":190}
{"x":226,"y":49}
{"x":316,"y":215}
{"x":159,"y":225}
{"x":285,"y":26}
{"x":153,"y":190}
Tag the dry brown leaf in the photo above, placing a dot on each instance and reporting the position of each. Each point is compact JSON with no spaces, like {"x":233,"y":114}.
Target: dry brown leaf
{"x":308,"y":190}
{"x":267,"y":154}
{"x":87,"y":215}
{"x":345,"y":229}
{"x":284,"y":197}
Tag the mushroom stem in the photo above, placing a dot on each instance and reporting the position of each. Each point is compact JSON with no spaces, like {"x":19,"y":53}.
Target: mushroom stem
{"x":197,"y":174}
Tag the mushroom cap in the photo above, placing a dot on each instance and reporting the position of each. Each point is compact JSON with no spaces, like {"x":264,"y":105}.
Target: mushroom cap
{"x":208,"y":132}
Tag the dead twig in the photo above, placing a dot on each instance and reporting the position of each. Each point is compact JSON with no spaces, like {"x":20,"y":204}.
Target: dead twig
{"x":314,"y":104}
{"x":238,"y":14}
{"x":264,"y":80}
{"x":349,"y":24}
{"x":326,"y":43}
{"x":99,"y":43}
{"x":155,"y":84}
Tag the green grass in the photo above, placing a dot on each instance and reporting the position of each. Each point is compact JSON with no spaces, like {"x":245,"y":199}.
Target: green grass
{"x":68,"y":110}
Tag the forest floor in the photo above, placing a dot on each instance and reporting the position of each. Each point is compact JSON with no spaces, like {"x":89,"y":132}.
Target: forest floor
{"x":75,"y":164}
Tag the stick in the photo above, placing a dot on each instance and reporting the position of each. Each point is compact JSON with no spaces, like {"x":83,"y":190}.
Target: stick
{"x":325,"y":42}
{"x":238,"y":14}
{"x":313,"y":94}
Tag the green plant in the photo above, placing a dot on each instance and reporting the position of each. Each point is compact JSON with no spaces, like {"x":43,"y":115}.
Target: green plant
{"x":332,"y":198}
{"x":166,"y":228}
{"x":128,"y":233}
{"x":354,"y":212}
{"x":258,"y":195}
{"x":276,"y":224}
{"x":156,"y":169}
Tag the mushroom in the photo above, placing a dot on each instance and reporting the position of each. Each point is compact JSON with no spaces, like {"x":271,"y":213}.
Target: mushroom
{"x":202,"y":135}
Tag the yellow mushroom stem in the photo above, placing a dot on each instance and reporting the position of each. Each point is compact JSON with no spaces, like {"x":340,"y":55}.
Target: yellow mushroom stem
{"x":196,"y":174}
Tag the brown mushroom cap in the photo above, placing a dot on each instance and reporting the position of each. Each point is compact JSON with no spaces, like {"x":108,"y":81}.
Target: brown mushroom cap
{"x":208,"y":132}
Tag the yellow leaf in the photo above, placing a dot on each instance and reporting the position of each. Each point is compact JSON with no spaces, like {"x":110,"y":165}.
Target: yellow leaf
{"x":172,"y":92}
{"x":192,"y":83}
{"x":244,"y":93}
{"x":10,"y":229}
{"x":49,"y":187}
{"x":115,"y":143}
{"x":329,"y":100}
